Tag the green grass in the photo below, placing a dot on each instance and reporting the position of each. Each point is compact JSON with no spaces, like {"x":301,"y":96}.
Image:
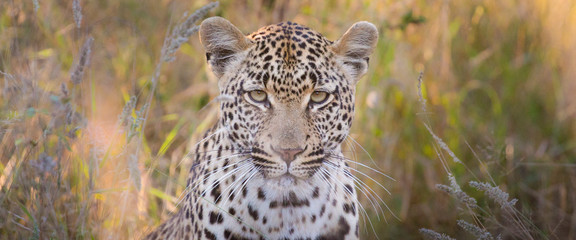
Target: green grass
{"x":498,"y":80}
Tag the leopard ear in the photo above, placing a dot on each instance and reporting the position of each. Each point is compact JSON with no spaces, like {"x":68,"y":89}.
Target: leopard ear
{"x":222,"y":42}
{"x":355,"y":46}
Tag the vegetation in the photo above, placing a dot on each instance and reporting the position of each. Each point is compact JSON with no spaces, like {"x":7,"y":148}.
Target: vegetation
{"x":101,"y":101}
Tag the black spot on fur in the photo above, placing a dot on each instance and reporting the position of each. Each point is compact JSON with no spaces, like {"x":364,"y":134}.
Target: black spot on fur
{"x":349,"y":188}
{"x":341,"y":232}
{"x":215,"y":217}
{"x":232,"y":211}
{"x":253,"y":212}
{"x":261,"y":195}
{"x":215,"y":193}
{"x":209,"y":235}
{"x":293,"y":201}
{"x":273,"y":204}
{"x":316,"y":192}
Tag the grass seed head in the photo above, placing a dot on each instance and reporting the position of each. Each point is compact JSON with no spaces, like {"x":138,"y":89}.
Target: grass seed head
{"x":182,"y":32}
{"x":433,"y":235}
{"x":496,"y":194}
{"x":83,"y":62}
{"x":479,"y":233}
{"x":77,"y":9}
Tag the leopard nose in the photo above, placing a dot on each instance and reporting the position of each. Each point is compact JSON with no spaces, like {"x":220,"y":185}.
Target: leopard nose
{"x":288,"y":154}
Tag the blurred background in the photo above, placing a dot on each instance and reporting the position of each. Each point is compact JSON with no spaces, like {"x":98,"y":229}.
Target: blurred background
{"x":94,"y":127}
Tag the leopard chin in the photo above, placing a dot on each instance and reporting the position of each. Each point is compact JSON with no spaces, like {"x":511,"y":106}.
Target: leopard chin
{"x":284,"y":182}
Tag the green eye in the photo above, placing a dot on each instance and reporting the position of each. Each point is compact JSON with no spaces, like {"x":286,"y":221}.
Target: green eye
{"x":318,"y":97}
{"x":257,"y":96}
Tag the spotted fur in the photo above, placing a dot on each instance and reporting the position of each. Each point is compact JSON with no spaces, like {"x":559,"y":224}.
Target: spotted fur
{"x":273,"y":169}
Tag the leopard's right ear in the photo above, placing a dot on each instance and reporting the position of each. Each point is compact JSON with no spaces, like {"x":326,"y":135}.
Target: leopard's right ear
{"x":222,"y":42}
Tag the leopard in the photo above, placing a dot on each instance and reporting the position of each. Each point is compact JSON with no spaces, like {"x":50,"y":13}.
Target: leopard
{"x":272,"y":165}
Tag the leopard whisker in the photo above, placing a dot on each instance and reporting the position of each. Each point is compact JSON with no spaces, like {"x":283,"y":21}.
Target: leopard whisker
{"x":363,"y":149}
{"x":192,"y":186}
{"x":370,"y":194}
{"x":326,"y":174}
{"x":352,"y":148}
{"x":239,"y":150}
{"x":350,"y":194}
{"x":246,"y":165}
{"x":366,"y":193}
{"x":366,"y":175}
{"x":217,"y":99}
{"x":369,"y":188}
{"x":195,"y":154}
{"x":365,"y":213}
{"x":365,"y":188}
{"x":246,"y":170}
{"x":324,"y":177}
{"x":219,"y":180}
{"x":361,"y":184}
{"x":222,"y":129}
{"x":339,"y":157}
{"x":230,"y":164}
{"x":239,"y":182}
{"x":254,"y":170}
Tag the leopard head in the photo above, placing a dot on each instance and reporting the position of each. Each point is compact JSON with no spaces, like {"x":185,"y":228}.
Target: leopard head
{"x":289,"y":91}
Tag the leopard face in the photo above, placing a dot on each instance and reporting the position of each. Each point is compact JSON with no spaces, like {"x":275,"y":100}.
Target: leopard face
{"x":290,"y":91}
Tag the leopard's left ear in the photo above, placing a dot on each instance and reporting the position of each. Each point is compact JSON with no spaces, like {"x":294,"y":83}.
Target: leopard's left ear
{"x":355,"y":46}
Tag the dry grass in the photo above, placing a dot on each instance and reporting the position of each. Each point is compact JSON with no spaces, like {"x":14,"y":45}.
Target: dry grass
{"x":99,"y":106}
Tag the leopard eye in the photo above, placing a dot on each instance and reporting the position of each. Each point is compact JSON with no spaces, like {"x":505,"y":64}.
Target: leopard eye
{"x":258,"y":96}
{"x":318,"y":97}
